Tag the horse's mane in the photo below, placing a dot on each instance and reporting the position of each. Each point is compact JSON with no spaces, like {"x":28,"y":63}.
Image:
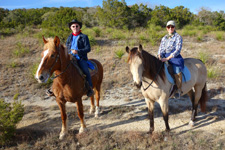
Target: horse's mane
{"x":152,"y":66}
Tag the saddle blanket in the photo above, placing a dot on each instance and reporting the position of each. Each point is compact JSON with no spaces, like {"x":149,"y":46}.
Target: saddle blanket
{"x":92,"y":66}
{"x":186,"y":75}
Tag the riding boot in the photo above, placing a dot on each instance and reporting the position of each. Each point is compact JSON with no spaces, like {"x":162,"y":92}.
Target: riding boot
{"x":90,"y":91}
{"x":178,"y":78}
{"x":170,"y":69}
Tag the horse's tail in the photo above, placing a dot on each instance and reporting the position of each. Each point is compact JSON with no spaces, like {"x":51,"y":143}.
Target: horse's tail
{"x":203,"y":99}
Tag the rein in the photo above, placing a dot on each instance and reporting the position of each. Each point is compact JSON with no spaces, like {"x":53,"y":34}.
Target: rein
{"x":152,"y":80}
{"x":54,"y":65}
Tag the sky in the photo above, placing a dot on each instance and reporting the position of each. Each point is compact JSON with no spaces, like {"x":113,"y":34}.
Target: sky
{"x":193,"y":5}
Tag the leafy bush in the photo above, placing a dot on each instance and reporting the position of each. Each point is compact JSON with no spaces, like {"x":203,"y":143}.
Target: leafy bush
{"x":10,"y":115}
{"x":119,"y":53}
{"x":97,"y":32}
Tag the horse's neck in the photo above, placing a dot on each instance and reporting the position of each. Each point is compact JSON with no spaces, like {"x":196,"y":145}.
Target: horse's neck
{"x":152,"y":67}
{"x":68,"y":71}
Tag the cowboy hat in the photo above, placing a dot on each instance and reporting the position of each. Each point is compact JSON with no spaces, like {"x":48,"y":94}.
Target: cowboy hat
{"x":75,"y":21}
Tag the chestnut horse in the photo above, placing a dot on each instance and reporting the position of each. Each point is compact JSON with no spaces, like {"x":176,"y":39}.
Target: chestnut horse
{"x":68,"y":85}
{"x":156,"y":87}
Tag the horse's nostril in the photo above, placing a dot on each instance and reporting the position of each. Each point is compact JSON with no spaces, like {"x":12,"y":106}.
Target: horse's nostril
{"x":41,"y":78}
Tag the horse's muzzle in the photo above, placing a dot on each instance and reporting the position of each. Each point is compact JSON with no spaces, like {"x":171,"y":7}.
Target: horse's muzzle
{"x":41,"y":78}
{"x":138,"y":85}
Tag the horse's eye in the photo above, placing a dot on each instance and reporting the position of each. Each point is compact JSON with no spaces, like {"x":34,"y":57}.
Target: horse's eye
{"x":52,"y":56}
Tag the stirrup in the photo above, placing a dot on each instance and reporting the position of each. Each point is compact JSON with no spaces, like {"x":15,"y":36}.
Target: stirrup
{"x":178,"y":94}
{"x":49,"y":92}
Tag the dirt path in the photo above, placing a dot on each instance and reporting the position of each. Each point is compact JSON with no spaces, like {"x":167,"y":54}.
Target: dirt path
{"x":120,"y":112}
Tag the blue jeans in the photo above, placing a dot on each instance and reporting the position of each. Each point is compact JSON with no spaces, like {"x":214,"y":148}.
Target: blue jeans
{"x":84,"y":67}
{"x":176,"y":69}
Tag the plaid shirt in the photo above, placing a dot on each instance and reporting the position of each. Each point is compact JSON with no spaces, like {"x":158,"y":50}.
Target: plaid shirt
{"x":171,"y":44}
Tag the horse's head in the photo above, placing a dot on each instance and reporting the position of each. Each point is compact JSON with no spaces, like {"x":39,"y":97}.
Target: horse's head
{"x":135,"y":61}
{"x":50,"y":59}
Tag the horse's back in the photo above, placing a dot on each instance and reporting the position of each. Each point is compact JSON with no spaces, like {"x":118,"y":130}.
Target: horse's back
{"x":197,"y":68}
{"x":98,"y":77}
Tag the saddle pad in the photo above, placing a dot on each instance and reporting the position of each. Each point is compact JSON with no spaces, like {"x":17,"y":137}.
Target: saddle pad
{"x":186,"y":75}
{"x":92,"y":66}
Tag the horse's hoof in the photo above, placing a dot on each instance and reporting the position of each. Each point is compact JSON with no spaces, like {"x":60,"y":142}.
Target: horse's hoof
{"x":62,"y":136}
{"x":92,"y":111}
{"x":191,"y":123}
{"x":82,"y":130}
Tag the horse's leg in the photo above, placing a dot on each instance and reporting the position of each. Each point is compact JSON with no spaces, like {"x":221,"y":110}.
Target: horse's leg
{"x":165,"y":108}
{"x":191,"y":94}
{"x":97,"y":97}
{"x":81,"y":115}
{"x":150,"y":105}
{"x":195,"y":99}
{"x":62,"y":108}
{"x":92,"y":109}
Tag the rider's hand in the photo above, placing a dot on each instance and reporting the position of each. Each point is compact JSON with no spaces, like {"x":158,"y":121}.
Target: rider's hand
{"x":74,"y":51}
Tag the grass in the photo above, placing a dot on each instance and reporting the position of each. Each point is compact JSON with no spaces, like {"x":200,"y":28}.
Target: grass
{"x":40,"y":139}
{"x":15,"y":97}
{"x":13,"y":64}
{"x":204,"y":57}
{"x":212,"y":72}
{"x":119,"y":53}
{"x":20,"y":50}
{"x":105,"y":140}
{"x":219,"y":35}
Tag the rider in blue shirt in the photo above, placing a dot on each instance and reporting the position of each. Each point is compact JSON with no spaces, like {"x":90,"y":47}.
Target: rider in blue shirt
{"x":78,"y":45}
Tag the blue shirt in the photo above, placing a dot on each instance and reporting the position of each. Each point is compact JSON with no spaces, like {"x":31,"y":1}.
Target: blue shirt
{"x":74,"y":42}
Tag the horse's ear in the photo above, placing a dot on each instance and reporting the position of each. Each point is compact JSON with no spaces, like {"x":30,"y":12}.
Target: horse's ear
{"x":127,"y":49}
{"x":45,"y":41}
{"x":57,"y":41}
{"x":140,"y":48}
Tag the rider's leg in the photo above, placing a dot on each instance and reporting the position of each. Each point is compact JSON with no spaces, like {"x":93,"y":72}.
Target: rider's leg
{"x":178,"y":78}
{"x":84,"y":67}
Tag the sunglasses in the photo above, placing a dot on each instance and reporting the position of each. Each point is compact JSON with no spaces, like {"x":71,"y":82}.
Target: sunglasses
{"x":75,"y":26}
{"x":170,"y":27}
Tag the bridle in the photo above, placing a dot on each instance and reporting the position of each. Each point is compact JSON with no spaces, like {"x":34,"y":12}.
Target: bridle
{"x":56,"y":60}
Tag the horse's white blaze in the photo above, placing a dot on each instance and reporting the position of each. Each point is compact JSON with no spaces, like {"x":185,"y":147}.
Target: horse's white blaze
{"x":136,"y":68}
{"x":42,"y":61}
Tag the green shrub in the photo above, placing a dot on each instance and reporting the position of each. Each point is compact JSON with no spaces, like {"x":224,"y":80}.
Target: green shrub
{"x":219,"y":35}
{"x":10,"y":115}
{"x":92,"y":40}
{"x":97,"y":31}
{"x":119,"y":53}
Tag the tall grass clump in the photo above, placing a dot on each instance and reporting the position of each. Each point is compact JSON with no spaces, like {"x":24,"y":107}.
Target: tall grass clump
{"x":219,"y":35}
{"x":212,"y":72}
{"x":119,"y":53}
{"x":10,"y":115}
{"x":204,"y":57}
